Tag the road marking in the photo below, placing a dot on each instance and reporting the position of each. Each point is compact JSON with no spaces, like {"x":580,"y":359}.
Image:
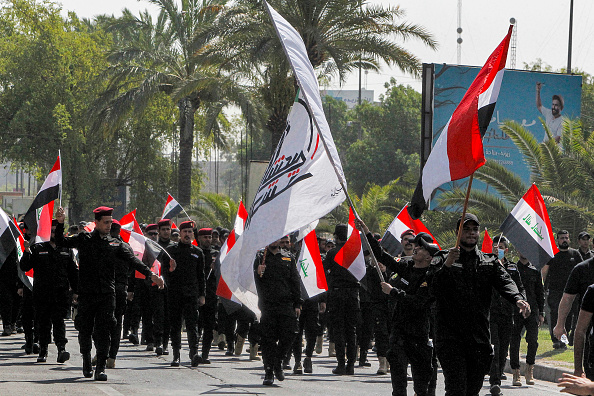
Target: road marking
{"x":108,"y":390}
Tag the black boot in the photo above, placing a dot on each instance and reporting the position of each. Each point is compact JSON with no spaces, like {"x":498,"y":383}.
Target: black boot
{"x":340,"y":368}
{"x":87,"y":366}
{"x":100,"y":369}
{"x":63,"y":354}
{"x":307,"y":366}
{"x":363,"y":362}
{"x":28,"y":343}
{"x":350,"y":368}
{"x":279,"y":373}
{"x":159,"y":349}
{"x":176,"y":358}
{"x":35,"y":347}
{"x":195,"y":358}
{"x":42,"y":358}
{"x":268,"y":377}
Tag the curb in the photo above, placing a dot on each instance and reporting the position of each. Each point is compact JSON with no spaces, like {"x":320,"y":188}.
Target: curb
{"x":541,"y":372}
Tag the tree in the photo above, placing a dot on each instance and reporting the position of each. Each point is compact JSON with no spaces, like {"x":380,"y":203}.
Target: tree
{"x":163,"y":56}
{"x":216,"y":210}
{"x":339,"y":35}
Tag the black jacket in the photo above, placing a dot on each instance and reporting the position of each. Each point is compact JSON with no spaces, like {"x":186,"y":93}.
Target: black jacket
{"x":188,"y":277}
{"x":463,"y":296}
{"x":534,"y":289}
{"x":500,"y":306}
{"x":337,"y":276}
{"x":97,"y":259}
{"x":53,"y":268}
{"x":279,"y":288}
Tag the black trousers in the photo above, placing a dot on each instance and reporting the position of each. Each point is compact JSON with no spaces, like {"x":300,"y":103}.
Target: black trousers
{"x":51,"y":308}
{"x":464,"y":366}
{"x":501,"y":332}
{"x":531,"y":325}
{"x":343,"y":305}
{"x":308,"y":325}
{"x":95,"y":314}
{"x":207,"y":323}
{"x":402,"y":352}
{"x":277,"y":334}
{"x":28,"y":315}
{"x":116,"y":331}
{"x":381,"y":328}
{"x":185,"y":307}
{"x":365,"y":328}
{"x":553,"y":299}
{"x":9,"y":308}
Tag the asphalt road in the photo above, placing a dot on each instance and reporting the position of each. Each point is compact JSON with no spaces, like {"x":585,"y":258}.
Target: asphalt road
{"x":139,"y":372}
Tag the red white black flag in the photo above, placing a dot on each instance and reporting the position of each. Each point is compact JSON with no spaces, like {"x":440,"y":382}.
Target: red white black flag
{"x":38,"y":218}
{"x":172,"y":208}
{"x":458,"y":151}
{"x":391,"y":241}
{"x":528,"y":227}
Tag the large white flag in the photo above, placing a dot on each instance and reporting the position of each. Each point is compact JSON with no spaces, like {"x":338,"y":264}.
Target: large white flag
{"x":300,"y":184}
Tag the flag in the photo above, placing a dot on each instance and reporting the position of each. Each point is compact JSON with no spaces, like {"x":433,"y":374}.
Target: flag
{"x":458,"y":151}
{"x":172,"y":208}
{"x":304,"y":179}
{"x":25,"y":277}
{"x":144,"y":250}
{"x":222,"y":287}
{"x":350,"y":256}
{"x":9,"y":238}
{"x":310,"y":266}
{"x":487,"y":246}
{"x":403,"y":221}
{"x":38,"y":218}
{"x":129,"y":223}
{"x":528,"y":227}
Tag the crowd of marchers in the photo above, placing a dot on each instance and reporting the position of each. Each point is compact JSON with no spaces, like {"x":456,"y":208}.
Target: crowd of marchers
{"x":461,"y":309}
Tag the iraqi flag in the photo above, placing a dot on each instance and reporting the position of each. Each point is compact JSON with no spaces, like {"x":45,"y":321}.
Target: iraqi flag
{"x":38,"y":218}
{"x":172,"y":208}
{"x":403,"y":221}
{"x":310,"y":266}
{"x":458,"y":151}
{"x":350,"y":256}
{"x":25,"y":277}
{"x":9,"y":233}
{"x":528,"y":227}
{"x":222,"y":287}
{"x":487,"y":246}
{"x":144,"y":250}
{"x":129,"y":223}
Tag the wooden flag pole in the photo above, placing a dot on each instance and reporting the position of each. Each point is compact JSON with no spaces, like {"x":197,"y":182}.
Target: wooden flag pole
{"x":464,"y":210}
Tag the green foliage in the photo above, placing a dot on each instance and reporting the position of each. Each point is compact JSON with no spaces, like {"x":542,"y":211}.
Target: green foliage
{"x":214,"y":210}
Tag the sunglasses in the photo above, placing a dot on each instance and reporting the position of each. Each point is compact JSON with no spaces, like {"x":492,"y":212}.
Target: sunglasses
{"x":408,"y":240}
{"x":273,"y":247}
{"x":153,"y":233}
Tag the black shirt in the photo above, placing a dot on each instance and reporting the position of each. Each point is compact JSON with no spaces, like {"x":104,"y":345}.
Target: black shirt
{"x":588,"y":300}
{"x":581,"y":276}
{"x":499,"y":305}
{"x":560,"y":267}
{"x":279,"y":287}
{"x":96,"y":259}
{"x":534,"y":289}
{"x":188,"y":277}
{"x":54,"y":268}
{"x":463,"y":296}
{"x":337,"y":276}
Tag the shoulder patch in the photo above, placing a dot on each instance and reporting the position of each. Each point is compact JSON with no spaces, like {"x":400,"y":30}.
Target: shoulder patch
{"x":286,"y":258}
{"x":44,"y":252}
{"x":424,"y":284}
{"x":457,"y":265}
{"x":114,"y":244}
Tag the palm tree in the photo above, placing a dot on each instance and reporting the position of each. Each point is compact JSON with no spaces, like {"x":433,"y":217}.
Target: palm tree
{"x":339,"y":35}
{"x":163,"y":56}
{"x":217,"y":210}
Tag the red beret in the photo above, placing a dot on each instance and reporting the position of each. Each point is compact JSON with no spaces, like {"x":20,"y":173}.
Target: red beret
{"x":115,"y":222}
{"x":151,"y":227}
{"x":407,"y":232}
{"x":186,"y":224}
{"x":164,"y":222}
{"x":205,"y":231}
{"x":102,"y":211}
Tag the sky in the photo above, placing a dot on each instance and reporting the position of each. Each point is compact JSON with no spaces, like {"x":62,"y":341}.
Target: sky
{"x":542,"y":32}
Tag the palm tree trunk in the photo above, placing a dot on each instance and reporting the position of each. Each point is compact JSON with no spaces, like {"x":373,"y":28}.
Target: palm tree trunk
{"x":187,"y":109}
{"x":276,"y":125}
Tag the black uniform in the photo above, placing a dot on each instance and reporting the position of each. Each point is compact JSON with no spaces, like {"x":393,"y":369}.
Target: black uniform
{"x":501,"y":324}
{"x":532,"y":281}
{"x":343,"y":307}
{"x":122,"y":275}
{"x":463,"y":300}
{"x":96,"y":286}
{"x":186,"y":285}
{"x":278,"y":295}
{"x":55,"y":272}
{"x":207,"y":320}
{"x":560,"y":267}
{"x":9,"y":308}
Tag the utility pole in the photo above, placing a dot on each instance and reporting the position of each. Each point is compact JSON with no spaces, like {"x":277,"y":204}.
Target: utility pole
{"x":570,"y":37}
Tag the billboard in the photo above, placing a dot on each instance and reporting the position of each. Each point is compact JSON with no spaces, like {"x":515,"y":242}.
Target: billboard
{"x":560,"y":96}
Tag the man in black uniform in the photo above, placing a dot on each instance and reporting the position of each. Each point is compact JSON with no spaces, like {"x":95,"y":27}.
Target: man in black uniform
{"x":8,"y":293}
{"x":342,"y":306}
{"x":207,"y":320}
{"x":185,"y":293}
{"x":555,"y":274}
{"x":462,"y":290}
{"x":279,"y":299}
{"x":159,"y":296}
{"x":97,"y":252}
{"x":532,"y":281}
{"x":55,"y":272}
{"x":501,"y":317}
{"x":584,"y":245}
